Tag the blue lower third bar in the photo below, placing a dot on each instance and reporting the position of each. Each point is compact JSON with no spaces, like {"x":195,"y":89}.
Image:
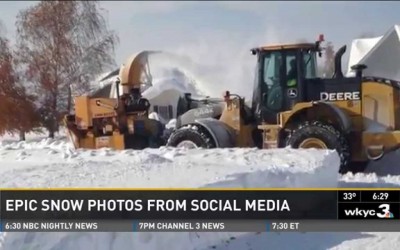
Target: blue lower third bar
{"x":267,"y":226}
{"x":134,"y":226}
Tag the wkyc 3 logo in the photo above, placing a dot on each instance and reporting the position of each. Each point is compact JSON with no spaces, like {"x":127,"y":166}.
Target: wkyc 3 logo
{"x":384,"y":213}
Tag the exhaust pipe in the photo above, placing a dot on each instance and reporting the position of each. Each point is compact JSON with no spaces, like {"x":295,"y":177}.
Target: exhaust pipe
{"x":358,"y":68}
{"x":338,"y":62}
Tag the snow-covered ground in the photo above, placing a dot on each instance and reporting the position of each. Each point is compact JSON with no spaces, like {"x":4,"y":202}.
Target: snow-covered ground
{"x":42,"y":162}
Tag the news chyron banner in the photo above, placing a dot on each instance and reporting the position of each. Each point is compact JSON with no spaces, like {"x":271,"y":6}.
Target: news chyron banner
{"x":200,"y":210}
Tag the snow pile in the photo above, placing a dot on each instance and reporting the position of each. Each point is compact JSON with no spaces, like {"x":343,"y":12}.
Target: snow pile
{"x":45,"y":166}
{"x":164,"y":167}
{"x":52,"y":163}
{"x":39,"y":144}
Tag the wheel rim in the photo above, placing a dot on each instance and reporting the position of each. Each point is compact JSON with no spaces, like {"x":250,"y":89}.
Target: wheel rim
{"x":187,"y":144}
{"x":313,"y":143}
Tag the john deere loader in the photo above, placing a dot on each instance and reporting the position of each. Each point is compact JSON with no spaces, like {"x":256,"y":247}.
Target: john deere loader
{"x":358,"y":116}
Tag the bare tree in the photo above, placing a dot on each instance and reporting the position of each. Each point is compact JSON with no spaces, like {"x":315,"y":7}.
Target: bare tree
{"x":17,"y":108}
{"x":63,"y":45}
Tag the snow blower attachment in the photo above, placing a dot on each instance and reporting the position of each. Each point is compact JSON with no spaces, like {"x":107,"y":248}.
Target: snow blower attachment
{"x":358,"y":116}
{"x":118,"y":123}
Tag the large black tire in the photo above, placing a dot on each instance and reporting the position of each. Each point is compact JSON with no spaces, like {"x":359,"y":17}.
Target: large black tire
{"x":330,"y":136}
{"x":195,"y":134}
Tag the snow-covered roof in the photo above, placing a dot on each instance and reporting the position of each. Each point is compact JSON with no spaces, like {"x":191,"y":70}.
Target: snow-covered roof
{"x":381,"y":55}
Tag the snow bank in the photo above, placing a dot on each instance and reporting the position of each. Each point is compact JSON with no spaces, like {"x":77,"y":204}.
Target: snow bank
{"x":28,"y":164}
{"x":52,"y":163}
{"x":382,"y":173}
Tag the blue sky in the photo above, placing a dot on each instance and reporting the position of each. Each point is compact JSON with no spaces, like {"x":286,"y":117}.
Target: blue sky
{"x":173,"y":25}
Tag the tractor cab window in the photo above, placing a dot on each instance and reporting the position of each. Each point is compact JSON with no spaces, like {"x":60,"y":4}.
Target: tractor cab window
{"x":310,"y":64}
{"x":272,"y":89}
{"x":272,"y":62}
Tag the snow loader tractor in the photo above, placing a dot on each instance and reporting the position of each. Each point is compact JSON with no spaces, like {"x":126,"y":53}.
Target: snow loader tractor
{"x":118,"y":123}
{"x":358,"y":116}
